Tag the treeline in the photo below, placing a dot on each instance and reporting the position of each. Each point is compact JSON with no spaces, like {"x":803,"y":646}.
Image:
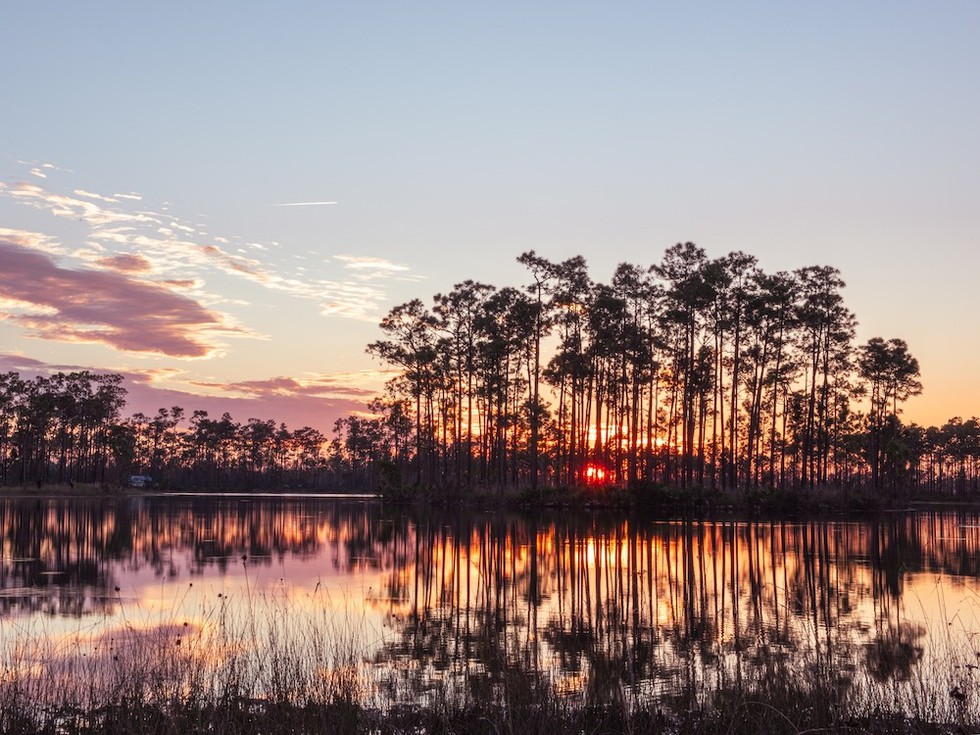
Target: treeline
{"x":692,"y":372}
{"x":69,"y":428}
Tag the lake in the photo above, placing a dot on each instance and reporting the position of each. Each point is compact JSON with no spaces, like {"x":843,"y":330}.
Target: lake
{"x":413,"y":605}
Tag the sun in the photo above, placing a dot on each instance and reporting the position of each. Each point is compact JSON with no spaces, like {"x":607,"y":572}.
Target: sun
{"x":594,"y":474}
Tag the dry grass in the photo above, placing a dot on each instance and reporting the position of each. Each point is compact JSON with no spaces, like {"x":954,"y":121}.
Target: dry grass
{"x":273,"y":670}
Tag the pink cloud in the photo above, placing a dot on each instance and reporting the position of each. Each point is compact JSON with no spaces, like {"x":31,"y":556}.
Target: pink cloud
{"x":28,"y":365}
{"x":182,"y":282}
{"x":284,"y":387}
{"x":292,"y":410}
{"x":126,"y":263}
{"x":234,"y":263}
{"x":105,"y":307}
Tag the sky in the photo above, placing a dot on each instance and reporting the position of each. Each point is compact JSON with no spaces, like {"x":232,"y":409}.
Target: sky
{"x":220,"y":200}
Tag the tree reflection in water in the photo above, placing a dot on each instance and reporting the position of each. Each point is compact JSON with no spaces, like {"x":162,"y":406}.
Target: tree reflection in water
{"x":598,"y":606}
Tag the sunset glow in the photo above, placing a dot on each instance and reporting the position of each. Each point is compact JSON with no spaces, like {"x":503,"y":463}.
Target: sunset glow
{"x":594,"y":474}
{"x":490,"y":367}
{"x":235,"y":247}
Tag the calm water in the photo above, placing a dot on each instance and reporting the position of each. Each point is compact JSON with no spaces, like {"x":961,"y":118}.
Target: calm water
{"x":417,"y":600}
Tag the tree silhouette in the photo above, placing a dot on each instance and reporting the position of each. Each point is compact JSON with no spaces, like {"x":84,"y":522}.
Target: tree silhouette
{"x":892,"y":377}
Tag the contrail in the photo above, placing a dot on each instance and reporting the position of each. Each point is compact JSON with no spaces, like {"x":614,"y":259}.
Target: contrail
{"x":303,"y":204}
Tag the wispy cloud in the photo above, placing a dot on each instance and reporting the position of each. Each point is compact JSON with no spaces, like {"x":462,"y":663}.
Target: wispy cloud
{"x":98,"y":197}
{"x":368,"y":268}
{"x":361,"y":262}
{"x":40,"y":170}
{"x":69,"y":207}
{"x":31,"y":240}
{"x":127,"y":236}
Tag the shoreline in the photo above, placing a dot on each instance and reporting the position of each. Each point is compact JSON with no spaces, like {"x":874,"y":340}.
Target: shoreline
{"x":653,"y":499}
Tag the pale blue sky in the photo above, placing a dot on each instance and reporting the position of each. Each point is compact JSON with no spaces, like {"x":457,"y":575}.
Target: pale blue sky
{"x":454,"y":136}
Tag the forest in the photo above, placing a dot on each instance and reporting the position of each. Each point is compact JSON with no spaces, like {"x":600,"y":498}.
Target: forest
{"x":695,"y":372}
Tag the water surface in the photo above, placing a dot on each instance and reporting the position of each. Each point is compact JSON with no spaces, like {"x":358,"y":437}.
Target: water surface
{"x":416,"y":600}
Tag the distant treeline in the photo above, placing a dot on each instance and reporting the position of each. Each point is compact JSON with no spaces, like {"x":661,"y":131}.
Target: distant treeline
{"x":694,"y":372}
{"x":68,"y":428}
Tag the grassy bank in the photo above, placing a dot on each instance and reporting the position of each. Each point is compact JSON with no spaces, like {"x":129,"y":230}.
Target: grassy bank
{"x":521,"y":705}
{"x":271,"y":670}
{"x":249,"y":718}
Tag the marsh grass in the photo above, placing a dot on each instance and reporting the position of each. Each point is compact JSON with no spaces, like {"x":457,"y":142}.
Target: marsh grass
{"x":283,"y":665}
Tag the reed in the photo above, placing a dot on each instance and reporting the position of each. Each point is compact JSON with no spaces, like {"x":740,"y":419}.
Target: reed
{"x":273,"y":667}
